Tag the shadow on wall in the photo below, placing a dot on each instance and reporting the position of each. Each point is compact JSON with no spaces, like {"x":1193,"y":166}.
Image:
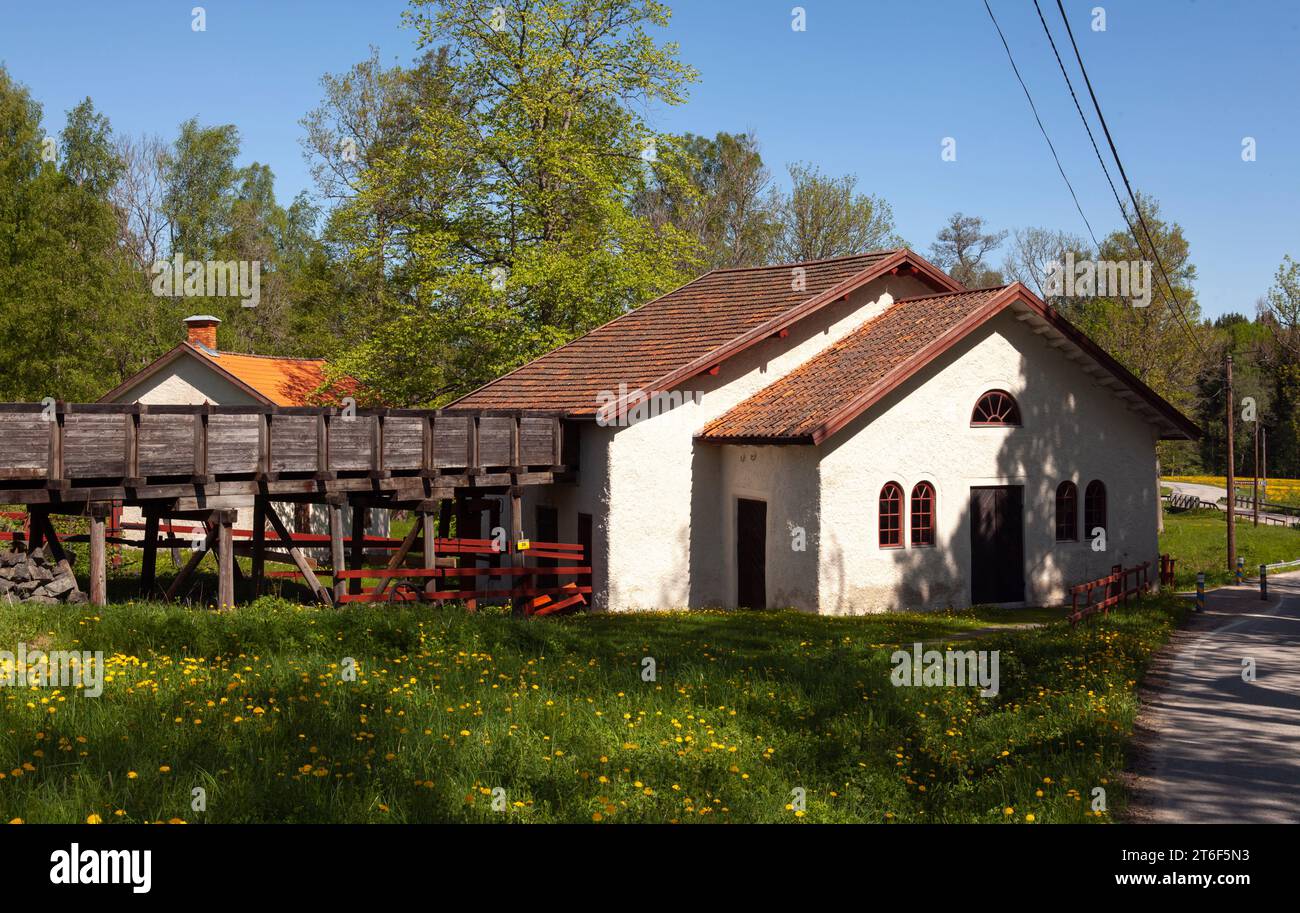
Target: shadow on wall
{"x":1054,"y":443}
{"x":701,"y":541}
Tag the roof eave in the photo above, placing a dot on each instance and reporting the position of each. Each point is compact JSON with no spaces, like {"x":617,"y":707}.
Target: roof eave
{"x":758,"y":440}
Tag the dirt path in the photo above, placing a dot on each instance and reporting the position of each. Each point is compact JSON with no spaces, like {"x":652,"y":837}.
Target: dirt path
{"x":1210,"y":746}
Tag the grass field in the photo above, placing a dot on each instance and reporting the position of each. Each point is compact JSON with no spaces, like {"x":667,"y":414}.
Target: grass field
{"x":1198,"y":540}
{"x":253,"y":707}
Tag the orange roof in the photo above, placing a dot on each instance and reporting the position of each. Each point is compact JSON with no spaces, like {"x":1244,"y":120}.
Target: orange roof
{"x":283,"y":381}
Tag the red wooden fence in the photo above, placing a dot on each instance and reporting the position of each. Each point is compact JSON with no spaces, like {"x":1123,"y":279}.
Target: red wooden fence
{"x":536,"y":588}
{"x":1113,"y":590}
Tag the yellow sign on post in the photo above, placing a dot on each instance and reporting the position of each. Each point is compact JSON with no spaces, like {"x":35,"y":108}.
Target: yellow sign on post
{"x":523,"y":545}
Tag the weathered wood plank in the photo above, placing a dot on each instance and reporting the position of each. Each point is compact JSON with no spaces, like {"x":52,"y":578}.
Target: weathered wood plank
{"x":537,"y":441}
{"x":233,"y":443}
{"x":94,"y":446}
{"x":351,"y":443}
{"x":494,"y":440}
{"x":24,"y":445}
{"x":293,"y":443}
{"x":166,"y":444}
{"x":403,"y":443}
{"x":450,"y":440}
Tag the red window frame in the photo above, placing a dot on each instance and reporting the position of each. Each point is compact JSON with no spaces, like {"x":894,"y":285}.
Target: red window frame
{"x":996,"y":409}
{"x":1094,"y":507}
{"x":922,"y":518}
{"x":891,"y":515}
{"x":1067,"y":512}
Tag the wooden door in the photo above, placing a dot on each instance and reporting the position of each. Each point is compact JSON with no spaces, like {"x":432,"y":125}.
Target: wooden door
{"x":751,"y":554}
{"x":997,"y":533}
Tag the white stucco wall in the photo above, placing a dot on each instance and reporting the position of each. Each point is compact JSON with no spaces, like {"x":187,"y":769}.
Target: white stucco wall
{"x":1072,"y":429}
{"x":186,"y":382}
{"x":785,"y":479}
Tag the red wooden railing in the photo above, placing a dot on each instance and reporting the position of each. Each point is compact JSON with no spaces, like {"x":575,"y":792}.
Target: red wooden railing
{"x":466,"y":583}
{"x":1114,"y":590}
{"x":17,"y":536}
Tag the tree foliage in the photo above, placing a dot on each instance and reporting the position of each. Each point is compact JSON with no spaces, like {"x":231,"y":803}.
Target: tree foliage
{"x":960,"y":248}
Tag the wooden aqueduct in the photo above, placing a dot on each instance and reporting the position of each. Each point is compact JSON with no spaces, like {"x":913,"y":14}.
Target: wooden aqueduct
{"x":203,"y":464}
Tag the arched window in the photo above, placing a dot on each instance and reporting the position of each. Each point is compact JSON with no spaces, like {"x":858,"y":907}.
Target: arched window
{"x":891,"y":516}
{"x":1094,"y":507}
{"x":997,"y":407}
{"x":923,"y":514}
{"x":1067,"y":512}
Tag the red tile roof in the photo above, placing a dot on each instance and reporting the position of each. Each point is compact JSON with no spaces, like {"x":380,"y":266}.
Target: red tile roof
{"x":806,"y":399}
{"x":708,"y":318}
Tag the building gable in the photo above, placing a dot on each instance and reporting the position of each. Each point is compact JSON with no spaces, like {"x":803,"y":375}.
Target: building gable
{"x":819,"y":398}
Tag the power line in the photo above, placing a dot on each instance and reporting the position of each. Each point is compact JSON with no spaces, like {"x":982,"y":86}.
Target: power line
{"x":1178,"y":307}
{"x":1086,"y":126}
{"x":1034,"y":108}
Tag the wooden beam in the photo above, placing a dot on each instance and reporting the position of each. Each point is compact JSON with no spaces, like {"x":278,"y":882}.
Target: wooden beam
{"x":225,"y":560}
{"x":335,"y":508}
{"x":259,"y":544}
{"x":398,"y":557}
{"x":430,"y":533}
{"x":299,"y":559}
{"x":55,"y":547}
{"x":149,"y":562}
{"x":358,"y":545}
{"x":35,"y":526}
{"x":98,"y":563}
{"x":516,"y":533}
{"x":196,"y":556}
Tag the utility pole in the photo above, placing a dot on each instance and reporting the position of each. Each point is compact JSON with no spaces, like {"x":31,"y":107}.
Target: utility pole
{"x":1264,"y":462}
{"x":1232,"y":476}
{"x":1256,"y":470}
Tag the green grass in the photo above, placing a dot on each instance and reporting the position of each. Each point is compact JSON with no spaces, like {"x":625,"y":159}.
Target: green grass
{"x":1198,"y":540}
{"x":251,"y":705}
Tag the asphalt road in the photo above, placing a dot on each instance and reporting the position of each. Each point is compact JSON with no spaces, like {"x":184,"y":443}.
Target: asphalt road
{"x":1212,"y":494}
{"x":1211,"y":746}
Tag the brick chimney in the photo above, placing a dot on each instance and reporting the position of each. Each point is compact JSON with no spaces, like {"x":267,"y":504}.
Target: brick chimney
{"x":201,"y":330}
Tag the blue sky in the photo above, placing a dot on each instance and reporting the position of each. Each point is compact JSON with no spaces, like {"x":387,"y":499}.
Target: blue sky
{"x":871,"y":87}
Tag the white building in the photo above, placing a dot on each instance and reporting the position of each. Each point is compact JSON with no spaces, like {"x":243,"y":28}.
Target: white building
{"x":844,"y":436}
{"x":196,"y":372}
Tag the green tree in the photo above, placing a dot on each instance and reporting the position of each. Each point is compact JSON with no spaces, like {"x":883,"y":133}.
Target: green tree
{"x":960,"y":247}
{"x":65,"y":283}
{"x":1280,"y":315}
{"x":1158,"y":342}
{"x":724,"y":204}
{"x":518,"y":230}
{"x":823,"y":217}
